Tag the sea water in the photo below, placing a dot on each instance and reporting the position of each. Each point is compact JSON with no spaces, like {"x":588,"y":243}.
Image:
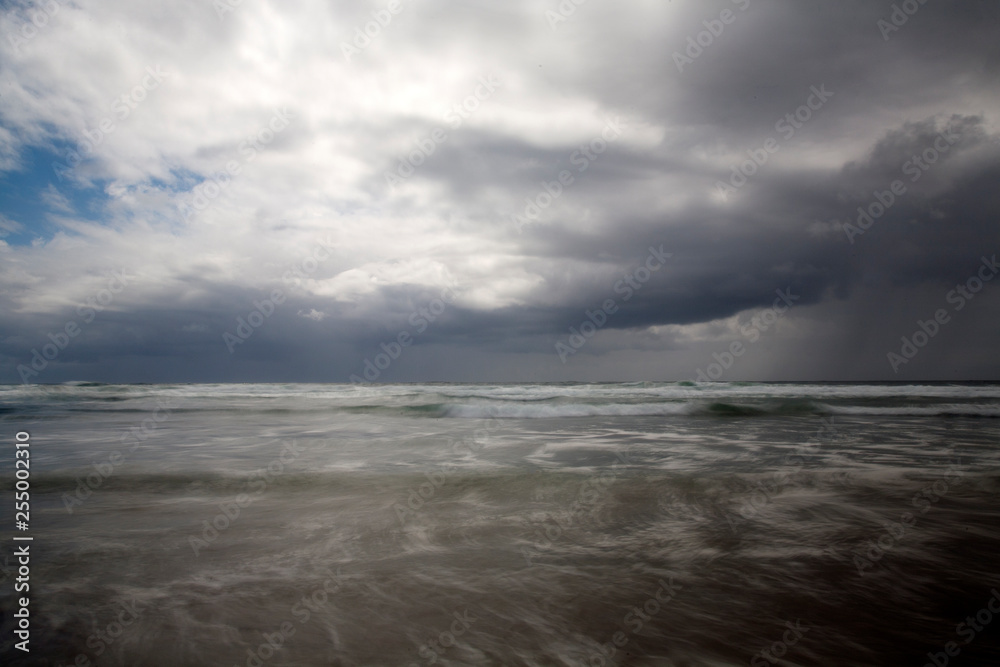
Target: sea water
{"x":507,"y":524}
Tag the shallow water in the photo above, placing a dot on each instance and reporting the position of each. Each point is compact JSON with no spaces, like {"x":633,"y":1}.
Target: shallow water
{"x":509,"y":524}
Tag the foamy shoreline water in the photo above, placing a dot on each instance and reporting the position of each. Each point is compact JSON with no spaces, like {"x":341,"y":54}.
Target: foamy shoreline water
{"x":509,"y":524}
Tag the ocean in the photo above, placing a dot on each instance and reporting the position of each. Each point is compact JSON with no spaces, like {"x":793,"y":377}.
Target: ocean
{"x":505,"y":524}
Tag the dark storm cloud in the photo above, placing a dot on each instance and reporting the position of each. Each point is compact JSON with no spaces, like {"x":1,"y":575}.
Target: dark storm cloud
{"x":931,"y":233}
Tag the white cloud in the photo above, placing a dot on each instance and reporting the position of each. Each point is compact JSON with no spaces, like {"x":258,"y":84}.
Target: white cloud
{"x":313,"y":314}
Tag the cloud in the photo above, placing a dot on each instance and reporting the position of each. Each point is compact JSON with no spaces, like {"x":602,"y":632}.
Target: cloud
{"x":207,"y":155}
{"x":313,"y":314}
{"x":8,"y":226}
{"x":54,"y":200}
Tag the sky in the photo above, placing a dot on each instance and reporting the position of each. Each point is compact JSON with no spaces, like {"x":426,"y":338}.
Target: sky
{"x":499,"y":191}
